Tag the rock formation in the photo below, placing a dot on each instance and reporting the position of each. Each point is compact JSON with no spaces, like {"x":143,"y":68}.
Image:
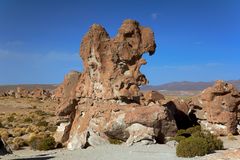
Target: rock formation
{"x":181,"y":112}
{"x":21,"y":93}
{"x":104,"y":100}
{"x":216,"y":108}
{"x":151,"y":97}
{"x":37,"y":93}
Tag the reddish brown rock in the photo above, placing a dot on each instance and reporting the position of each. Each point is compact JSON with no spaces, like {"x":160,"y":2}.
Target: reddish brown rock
{"x":217,"y":107}
{"x":119,"y":122}
{"x":40,"y":94}
{"x":111,"y":66}
{"x":21,"y":93}
{"x":66,"y":93}
{"x":104,"y":100}
{"x":67,"y":88}
{"x":152,"y":97}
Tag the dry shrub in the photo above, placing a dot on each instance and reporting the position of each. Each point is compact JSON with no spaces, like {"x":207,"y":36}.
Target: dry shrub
{"x":39,"y":142}
{"x":17,"y":143}
{"x":32,"y":129}
{"x":4,"y":134}
{"x":28,"y":120}
{"x":42,"y":123}
{"x":17,"y":132}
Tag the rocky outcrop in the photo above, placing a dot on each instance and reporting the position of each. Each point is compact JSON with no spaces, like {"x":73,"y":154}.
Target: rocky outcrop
{"x":181,"y":112}
{"x":151,"y":97}
{"x":216,"y":108}
{"x":37,"y":93}
{"x":104,"y":100}
{"x":21,"y":92}
{"x":40,"y":94}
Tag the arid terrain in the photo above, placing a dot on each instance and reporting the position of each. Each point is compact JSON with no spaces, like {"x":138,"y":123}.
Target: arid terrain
{"x":24,"y":114}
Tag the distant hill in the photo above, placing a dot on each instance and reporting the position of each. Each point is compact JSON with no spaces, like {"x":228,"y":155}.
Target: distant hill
{"x":186,"y":86}
{"x":174,"y":86}
{"x":4,"y":88}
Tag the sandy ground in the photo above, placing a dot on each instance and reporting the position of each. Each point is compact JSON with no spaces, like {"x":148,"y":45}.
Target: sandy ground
{"x":122,"y":152}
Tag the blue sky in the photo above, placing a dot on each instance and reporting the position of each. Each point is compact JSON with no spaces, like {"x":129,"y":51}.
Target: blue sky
{"x":197,"y":40}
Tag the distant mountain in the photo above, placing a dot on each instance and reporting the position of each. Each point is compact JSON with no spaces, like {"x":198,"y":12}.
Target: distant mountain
{"x":186,"y":86}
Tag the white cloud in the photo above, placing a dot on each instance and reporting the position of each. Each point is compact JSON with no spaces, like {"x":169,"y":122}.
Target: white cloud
{"x":154,"y":16}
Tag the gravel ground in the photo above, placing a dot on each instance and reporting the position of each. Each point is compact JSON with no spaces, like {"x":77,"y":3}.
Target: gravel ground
{"x":106,"y":152}
{"x":122,"y":152}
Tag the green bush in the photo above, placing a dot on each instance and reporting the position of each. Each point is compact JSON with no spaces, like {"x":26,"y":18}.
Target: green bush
{"x":42,"y":143}
{"x":194,"y":129}
{"x":181,"y":131}
{"x":192,"y":146}
{"x":209,"y":143}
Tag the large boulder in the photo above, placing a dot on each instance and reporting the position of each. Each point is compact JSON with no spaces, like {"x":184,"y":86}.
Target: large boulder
{"x":217,"y":107}
{"x":104,"y":100}
{"x":130,"y":123}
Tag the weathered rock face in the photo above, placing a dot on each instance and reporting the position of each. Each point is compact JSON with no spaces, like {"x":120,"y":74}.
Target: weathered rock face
{"x":67,"y":88}
{"x":111,"y":66}
{"x":104,"y":101}
{"x":217,"y":107}
{"x":121,"y":122}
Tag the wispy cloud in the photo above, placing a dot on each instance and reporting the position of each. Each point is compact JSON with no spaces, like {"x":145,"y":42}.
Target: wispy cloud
{"x":18,"y":67}
{"x":14,"y":43}
{"x":3,"y":53}
{"x":154,"y":16}
{"x":49,"y":56}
